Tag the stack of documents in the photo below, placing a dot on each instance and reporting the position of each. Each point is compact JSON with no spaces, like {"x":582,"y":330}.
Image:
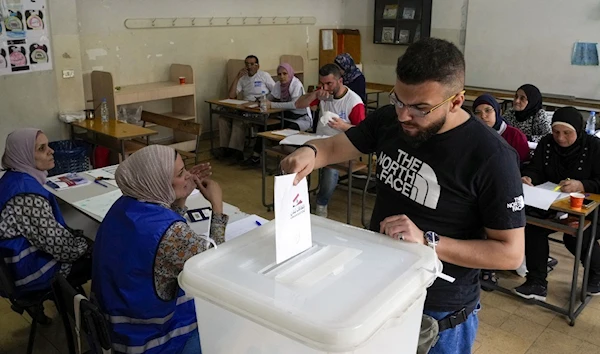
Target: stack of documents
{"x":543,"y":195}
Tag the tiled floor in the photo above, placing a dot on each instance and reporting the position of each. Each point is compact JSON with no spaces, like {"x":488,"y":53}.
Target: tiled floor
{"x":507,"y":325}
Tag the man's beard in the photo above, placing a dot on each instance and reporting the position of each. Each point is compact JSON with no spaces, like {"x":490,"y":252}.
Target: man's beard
{"x":423,"y":135}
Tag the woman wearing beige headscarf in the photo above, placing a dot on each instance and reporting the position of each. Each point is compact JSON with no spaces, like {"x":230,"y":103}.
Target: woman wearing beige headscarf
{"x":141,"y":247}
{"x":35,"y":241}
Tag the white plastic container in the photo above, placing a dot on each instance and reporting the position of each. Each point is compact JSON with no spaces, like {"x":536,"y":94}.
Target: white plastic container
{"x":354,"y":291}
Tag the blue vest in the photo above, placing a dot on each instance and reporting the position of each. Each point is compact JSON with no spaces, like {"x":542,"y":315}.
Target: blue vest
{"x":123,"y":282}
{"x":31,"y":268}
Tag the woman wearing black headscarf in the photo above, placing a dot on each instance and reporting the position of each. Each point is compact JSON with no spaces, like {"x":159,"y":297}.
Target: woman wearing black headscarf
{"x":527,"y":113}
{"x":568,"y":157}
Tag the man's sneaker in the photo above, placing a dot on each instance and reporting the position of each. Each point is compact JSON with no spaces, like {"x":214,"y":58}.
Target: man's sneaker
{"x":593,"y":287}
{"x":321,"y":210}
{"x":552,"y":262}
{"x":221,"y":153}
{"x":251,"y":161}
{"x":531,"y":290}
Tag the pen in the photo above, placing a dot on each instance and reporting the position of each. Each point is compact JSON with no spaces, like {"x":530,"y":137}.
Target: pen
{"x":100,"y":183}
{"x":258,"y":223}
{"x":558,"y":187}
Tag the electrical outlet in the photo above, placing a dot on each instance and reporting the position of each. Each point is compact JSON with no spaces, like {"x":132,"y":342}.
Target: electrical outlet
{"x":67,"y":74}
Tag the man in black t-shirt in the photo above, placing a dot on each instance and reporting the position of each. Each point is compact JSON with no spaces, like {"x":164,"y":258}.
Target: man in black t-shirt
{"x":444,"y":180}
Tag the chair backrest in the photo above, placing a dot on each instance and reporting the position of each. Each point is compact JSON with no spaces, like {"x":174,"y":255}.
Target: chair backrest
{"x":7,"y":283}
{"x":94,"y":326}
{"x":184,"y":126}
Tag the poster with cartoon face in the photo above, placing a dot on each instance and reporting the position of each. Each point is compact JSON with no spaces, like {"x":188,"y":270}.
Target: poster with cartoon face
{"x":34,"y":20}
{"x":17,"y":54}
{"x":14,"y":24}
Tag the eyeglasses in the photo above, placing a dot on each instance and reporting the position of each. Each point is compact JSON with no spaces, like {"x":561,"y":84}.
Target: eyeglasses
{"x":414,"y":111}
{"x":251,"y":64}
{"x":486,"y":111}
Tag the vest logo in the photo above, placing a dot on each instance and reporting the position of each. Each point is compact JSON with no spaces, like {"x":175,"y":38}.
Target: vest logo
{"x":298,"y":206}
{"x":517,"y":205}
{"x":411,"y":177}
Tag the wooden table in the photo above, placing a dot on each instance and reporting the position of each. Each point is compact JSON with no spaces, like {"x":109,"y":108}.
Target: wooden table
{"x":113,"y":129}
{"x":348,"y":167}
{"x":563,"y":205}
{"x":249,"y":115}
{"x":373,"y":104}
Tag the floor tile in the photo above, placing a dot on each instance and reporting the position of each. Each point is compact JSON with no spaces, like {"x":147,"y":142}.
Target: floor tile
{"x":551,"y":341}
{"x":493,"y":316}
{"x":497,"y":340}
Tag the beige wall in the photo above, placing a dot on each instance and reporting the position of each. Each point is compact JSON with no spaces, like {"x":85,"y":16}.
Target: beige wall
{"x":34,"y":99}
{"x":144,"y":55}
{"x":379,"y":60}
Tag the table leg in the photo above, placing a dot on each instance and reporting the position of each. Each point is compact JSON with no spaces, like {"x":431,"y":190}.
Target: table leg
{"x":282,"y":121}
{"x":377,"y":104}
{"x":573,"y":296}
{"x":263,"y":162}
{"x":123,"y":149}
{"x":72,"y":131}
{"x":210,"y":124}
{"x":349,"y":210}
{"x":586,"y":266}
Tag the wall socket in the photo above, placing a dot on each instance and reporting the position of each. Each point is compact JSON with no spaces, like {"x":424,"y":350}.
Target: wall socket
{"x":68,"y":74}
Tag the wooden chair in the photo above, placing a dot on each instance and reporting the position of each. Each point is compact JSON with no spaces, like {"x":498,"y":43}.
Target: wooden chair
{"x":188,"y":149}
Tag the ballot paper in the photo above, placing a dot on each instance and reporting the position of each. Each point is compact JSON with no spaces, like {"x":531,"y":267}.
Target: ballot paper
{"x":300,"y":139}
{"x":539,"y":197}
{"x":552,"y":187}
{"x":292,"y":218}
{"x":231,"y":101}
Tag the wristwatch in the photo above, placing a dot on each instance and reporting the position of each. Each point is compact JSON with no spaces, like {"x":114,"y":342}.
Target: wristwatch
{"x":432,"y":239}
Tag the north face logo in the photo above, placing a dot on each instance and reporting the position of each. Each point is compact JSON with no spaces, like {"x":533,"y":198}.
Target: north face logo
{"x":411,"y":177}
{"x":517,"y":205}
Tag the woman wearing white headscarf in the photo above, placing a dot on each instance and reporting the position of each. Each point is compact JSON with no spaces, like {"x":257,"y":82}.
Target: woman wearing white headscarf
{"x":35,"y":241}
{"x":141,"y":247}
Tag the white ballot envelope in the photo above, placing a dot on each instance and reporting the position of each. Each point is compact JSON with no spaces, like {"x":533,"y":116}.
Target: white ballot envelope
{"x":292,"y":218}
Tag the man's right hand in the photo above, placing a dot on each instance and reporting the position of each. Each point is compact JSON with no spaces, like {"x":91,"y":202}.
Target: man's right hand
{"x":301,"y":161}
{"x":526,"y":180}
{"x":323,"y":95}
{"x":243,"y":72}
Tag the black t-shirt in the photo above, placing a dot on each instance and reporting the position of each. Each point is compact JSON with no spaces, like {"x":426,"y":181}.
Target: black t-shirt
{"x":455,"y":184}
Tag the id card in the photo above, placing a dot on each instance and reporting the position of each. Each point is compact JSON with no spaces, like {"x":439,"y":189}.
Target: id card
{"x":202,"y":214}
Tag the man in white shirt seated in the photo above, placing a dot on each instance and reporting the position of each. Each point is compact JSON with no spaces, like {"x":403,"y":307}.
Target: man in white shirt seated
{"x":250,"y":83}
{"x":338,"y":99}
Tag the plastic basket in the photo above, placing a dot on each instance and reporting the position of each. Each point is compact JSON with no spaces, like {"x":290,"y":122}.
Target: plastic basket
{"x":69,"y":156}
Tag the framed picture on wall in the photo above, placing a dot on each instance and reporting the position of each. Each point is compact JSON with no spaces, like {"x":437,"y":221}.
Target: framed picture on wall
{"x":408,"y":13}
{"x":390,"y":12}
{"x":387,"y":34}
{"x":404,"y":36}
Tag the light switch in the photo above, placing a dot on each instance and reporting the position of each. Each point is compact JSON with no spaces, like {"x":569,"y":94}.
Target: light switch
{"x":67,"y":74}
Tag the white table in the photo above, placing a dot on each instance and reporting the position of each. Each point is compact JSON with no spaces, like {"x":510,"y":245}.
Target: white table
{"x":73,"y":214}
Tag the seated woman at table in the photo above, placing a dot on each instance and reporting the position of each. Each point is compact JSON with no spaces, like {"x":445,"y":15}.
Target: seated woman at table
{"x":487,"y":108}
{"x":568,"y":157}
{"x":352,"y":76}
{"x":527,"y":113}
{"x":283,"y":96}
{"x":141,"y":247}
{"x":35,"y":241}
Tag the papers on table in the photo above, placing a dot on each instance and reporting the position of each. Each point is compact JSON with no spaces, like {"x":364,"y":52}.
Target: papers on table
{"x":285,"y":132}
{"x":549,"y":186}
{"x":100,"y":204}
{"x":300,"y":139}
{"x":532,"y":145}
{"x":230,"y":101}
{"x":242,"y":226}
{"x":69,"y":180}
{"x":539,"y":197}
{"x":292,"y":218}
{"x":105,"y":172}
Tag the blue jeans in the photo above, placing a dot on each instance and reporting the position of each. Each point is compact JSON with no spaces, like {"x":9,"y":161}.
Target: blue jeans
{"x":458,"y":340}
{"x":192,"y":346}
{"x":329,"y":179}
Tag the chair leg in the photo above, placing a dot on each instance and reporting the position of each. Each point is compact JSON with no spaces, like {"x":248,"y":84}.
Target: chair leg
{"x":31,"y":336}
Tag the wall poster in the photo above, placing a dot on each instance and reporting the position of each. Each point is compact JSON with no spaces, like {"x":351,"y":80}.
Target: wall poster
{"x":24,"y":37}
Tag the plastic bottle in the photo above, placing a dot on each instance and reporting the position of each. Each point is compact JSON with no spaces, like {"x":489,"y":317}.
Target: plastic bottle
{"x":104,"y":111}
{"x":263,"y":101}
{"x":590,"y":127}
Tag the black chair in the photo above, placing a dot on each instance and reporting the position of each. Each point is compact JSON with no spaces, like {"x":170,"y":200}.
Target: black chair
{"x":32,"y":302}
{"x":93,"y":325}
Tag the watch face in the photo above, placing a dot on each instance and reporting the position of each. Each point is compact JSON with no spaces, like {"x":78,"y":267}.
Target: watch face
{"x":432,"y":237}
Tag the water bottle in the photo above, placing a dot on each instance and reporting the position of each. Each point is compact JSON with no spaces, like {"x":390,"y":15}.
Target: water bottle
{"x":590,"y":127}
{"x":104,"y":111}
{"x":263,"y":101}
